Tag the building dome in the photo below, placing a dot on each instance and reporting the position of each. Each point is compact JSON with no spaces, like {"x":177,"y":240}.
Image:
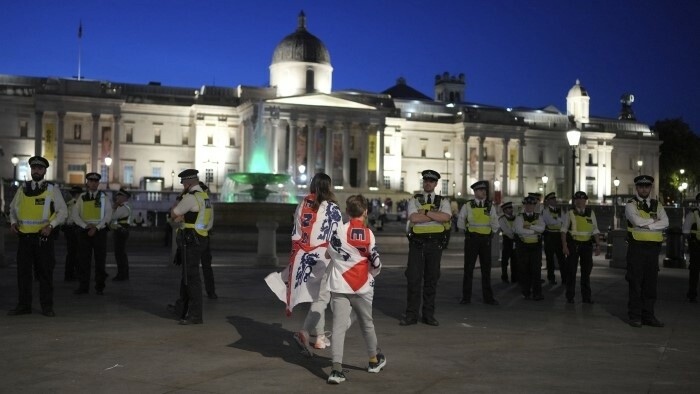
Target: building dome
{"x":301,"y":46}
{"x":577,"y":91}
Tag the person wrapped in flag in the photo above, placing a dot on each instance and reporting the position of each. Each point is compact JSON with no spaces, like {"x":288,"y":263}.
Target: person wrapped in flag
{"x":354,"y":265}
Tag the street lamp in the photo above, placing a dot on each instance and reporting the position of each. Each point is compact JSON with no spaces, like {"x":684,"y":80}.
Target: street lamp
{"x":545,"y":179}
{"x":447,"y":172}
{"x":574,"y":137}
{"x":14,"y":161}
{"x":172,"y":180}
{"x":302,"y":171}
{"x":639,"y":165}
{"x":108,"y":162}
{"x":616,"y":182}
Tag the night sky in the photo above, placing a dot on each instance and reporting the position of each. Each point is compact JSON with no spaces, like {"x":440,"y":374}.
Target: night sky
{"x":515,"y":53}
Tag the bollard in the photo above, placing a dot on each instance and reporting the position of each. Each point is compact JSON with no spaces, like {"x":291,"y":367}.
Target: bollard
{"x":609,"y":248}
{"x":674,"y":248}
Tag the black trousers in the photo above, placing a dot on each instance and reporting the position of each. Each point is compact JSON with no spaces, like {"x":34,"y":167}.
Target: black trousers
{"x":477,"y":246}
{"x":642,"y":274}
{"x":89,"y":247}
{"x":120,"y":237}
{"x":422,"y":273}
{"x":508,"y":255}
{"x":190,"y":282}
{"x":552,"y":250}
{"x":207,"y":271}
{"x":579,"y":253}
{"x":530,"y":261}
{"x":694,"y":267}
{"x":72,"y":262}
{"x":35,"y":256}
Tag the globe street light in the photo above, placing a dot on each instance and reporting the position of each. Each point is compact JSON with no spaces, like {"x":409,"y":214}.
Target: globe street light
{"x":108,"y":162}
{"x":172,"y":180}
{"x":574,"y":137}
{"x":616,"y":182}
{"x":639,"y":165}
{"x":545,"y":179}
{"x":14,"y":161}
{"x":447,"y":172}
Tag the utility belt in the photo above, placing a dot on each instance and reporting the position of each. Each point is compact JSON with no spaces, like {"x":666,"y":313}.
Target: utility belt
{"x":570,"y":238}
{"x":188,"y":237}
{"x":477,"y":235}
{"x":519,"y":241}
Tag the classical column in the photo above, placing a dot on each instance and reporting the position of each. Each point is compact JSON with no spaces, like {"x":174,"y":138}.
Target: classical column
{"x":364,"y":156}
{"x":380,"y":156}
{"x":329,"y":149}
{"x":292,"y":149}
{"x":115,"y":171}
{"x":275,"y":123}
{"x":482,"y":139}
{"x":59,"y":146}
{"x":504,"y":181}
{"x":465,"y":173}
{"x":346,"y":154}
{"x":521,"y":165}
{"x":310,"y":150}
{"x":94,"y":140}
{"x":38,"y":132}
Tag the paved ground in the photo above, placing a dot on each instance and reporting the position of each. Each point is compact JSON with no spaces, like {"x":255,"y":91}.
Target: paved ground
{"x":125,"y":341}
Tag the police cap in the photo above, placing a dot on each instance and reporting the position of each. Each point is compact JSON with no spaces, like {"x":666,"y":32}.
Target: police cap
{"x":644,"y":180}
{"x":530,"y":200}
{"x":124,"y":193}
{"x":507,"y":205}
{"x":76,"y":190}
{"x":480,"y":185}
{"x":189,"y":173}
{"x":550,"y":195}
{"x":431,"y":175}
{"x":536,"y":195}
{"x":93,"y":176}
{"x":38,"y":161}
{"x":579,"y":195}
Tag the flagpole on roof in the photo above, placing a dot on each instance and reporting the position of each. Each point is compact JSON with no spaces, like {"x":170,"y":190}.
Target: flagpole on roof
{"x":80,"y":40}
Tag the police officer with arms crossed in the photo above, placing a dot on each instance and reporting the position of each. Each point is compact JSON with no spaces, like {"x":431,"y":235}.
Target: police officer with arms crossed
{"x":428,"y":223}
{"x":646,"y":220}
{"x":194,"y":210}
{"x":553,"y":219}
{"x":92,"y":213}
{"x":479,"y":219}
{"x":121,"y":221}
{"x":506,"y":222}
{"x":35,"y":211}
{"x":690,"y":230}
{"x":529,"y":227}
{"x":579,"y":238}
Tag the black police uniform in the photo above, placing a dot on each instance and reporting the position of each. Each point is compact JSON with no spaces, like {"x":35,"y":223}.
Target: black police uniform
{"x":552,"y":243}
{"x":121,"y":235}
{"x":70,"y":230}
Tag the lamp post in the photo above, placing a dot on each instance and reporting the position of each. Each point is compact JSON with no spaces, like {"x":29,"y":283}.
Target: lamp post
{"x":574,"y":137}
{"x":14,"y":161}
{"x":172,"y":180}
{"x":447,"y":172}
{"x":302,"y":173}
{"x":108,"y":163}
{"x":639,"y":166}
{"x":545,"y":179}
{"x":497,"y":191}
{"x":616,"y":182}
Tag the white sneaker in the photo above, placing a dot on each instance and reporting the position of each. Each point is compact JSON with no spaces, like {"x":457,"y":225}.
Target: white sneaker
{"x":376,"y":367}
{"x":302,"y":339}
{"x":322,"y":342}
{"x":336,"y":377}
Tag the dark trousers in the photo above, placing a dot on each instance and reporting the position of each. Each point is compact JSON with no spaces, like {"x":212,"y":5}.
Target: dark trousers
{"x":190,"y":282}
{"x":35,"y":257}
{"x":508,"y":255}
{"x":694,"y":267}
{"x":207,"y":272}
{"x":120,"y":237}
{"x":552,"y":250}
{"x":71,"y":267}
{"x":88,"y":247}
{"x":422,"y":273}
{"x":477,"y":245}
{"x":530,"y":262}
{"x":579,"y":253}
{"x":642,"y":274}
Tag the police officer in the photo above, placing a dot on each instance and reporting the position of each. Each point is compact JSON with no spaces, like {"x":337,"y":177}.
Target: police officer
{"x":479,"y":219}
{"x":207,"y":271}
{"x":579,"y":238}
{"x":553,"y":218}
{"x":646,"y":220}
{"x":71,"y":232}
{"x":36,"y":210}
{"x":121,"y":221}
{"x":506,"y":222}
{"x":92,"y":213}
{"x":429,"y":216}
{"x":194,"y":210}
{"x":690,"y":230}
{"x":529,"y":227}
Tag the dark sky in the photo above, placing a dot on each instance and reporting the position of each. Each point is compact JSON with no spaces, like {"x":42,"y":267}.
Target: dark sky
{"x":513,"y":52}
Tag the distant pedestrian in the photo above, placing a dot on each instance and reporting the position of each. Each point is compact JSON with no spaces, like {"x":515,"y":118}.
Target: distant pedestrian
{"x":35,"y":211}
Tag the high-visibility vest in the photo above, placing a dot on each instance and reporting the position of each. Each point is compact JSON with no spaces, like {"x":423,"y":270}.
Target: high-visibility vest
{"x":581,"y":225}
{"x":93,"y":210}
{"x":431,"y":227}
{"x":481,"y":222}
{"x":643,"y":234}
{"x":126,"y":220}
{"x":35,"y":212}
{"x":554,"y":212}
{"x":199,"y":220}
{"x":530,"y":238}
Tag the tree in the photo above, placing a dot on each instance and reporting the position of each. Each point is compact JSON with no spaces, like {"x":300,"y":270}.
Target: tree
{"x":679,"y":150}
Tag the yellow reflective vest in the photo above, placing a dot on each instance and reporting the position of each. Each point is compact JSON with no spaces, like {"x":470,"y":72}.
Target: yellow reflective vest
{"x":199,"y":221}
{"x":555,"y":215}
{"x":35,"y":212}
{"x":643,"y":234}
{"x":581,"y":225}
{"x":433,"y":227}
{"x":530,"y":238}
{"x":481,"y":218}
{"x":93,"y":210}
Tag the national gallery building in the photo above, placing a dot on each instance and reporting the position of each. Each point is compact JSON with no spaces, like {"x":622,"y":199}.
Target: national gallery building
{"x":374,"y":143}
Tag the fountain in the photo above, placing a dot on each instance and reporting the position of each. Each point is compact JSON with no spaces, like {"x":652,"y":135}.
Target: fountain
{"x":258,"y":198}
